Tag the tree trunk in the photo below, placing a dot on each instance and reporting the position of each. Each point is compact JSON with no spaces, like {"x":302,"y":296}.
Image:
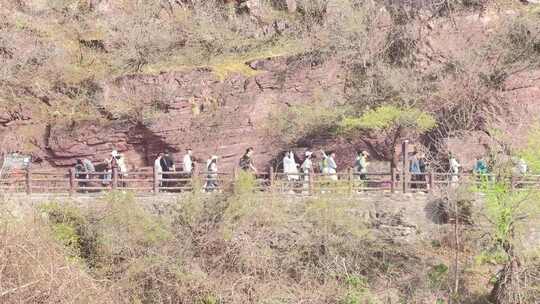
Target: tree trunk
{"x":509,"y":286}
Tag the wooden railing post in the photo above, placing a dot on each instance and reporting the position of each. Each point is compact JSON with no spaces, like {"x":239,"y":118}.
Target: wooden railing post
{"x":351,"y":181}
{"x":114,"y":182}
{"x":28,"y":180}
{"x":271,"y":178}
{"x":195,"y":172}
{"x":71,"y":181}
{"x":155,"y":181}
{"x":311,"y":183}
{"x":393,"y":179}
{"x":405,"y":172}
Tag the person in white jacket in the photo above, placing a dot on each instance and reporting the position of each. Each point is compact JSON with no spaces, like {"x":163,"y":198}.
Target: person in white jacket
{"x":307,"y":169}
{"x":157,"y":167}
{"x":330,"y":165}
{"x":454,"y":169}
{"x":188,"y":162}
{"x":290,"y":167}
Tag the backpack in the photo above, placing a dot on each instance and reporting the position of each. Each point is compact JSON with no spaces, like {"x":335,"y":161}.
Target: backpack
{"x":245,"y":163}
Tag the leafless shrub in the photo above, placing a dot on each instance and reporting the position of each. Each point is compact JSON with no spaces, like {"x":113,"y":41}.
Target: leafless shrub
{"x":34,"y":267}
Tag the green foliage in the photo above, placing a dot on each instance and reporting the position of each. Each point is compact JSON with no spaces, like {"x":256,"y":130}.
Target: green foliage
{"x":357,"y":282}
{"x":245,"y":183}
{"x":67,"y":234}
{"x":358,"y":291}
{"x":126,"y":223}
{"x":304,"y":121}
{"x":504,"y":207}
{"x":388,"y":117}
{"x":495,"y":256}
{"x":438,"y":275}
{"x":209,"y":299}
{"x":68,"y":226}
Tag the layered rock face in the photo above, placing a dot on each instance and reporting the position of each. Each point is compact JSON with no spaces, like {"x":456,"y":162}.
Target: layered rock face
{"x":223,"y":113}
{"x":221,"y":116}
{"x":200,"y":111}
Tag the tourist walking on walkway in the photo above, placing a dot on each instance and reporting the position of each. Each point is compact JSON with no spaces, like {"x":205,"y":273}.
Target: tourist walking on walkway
{"x":80,"y":173}
{"x":167,"y":168}
{"x":290,"y":167}
{"x":361,"y":164}
{"x":519,"y":172}
{"x":480,"y":166}
{"x":157,"y":168}
{"x":307,"y":169}
{"x":522,"y":166}
{"x":107,"y":175}
{"x":246,"y":161}
{"x":119,"y":161}
{"x":454,"y":169}
{"x":212,"y":176}
{"x":188,"y":163}
{"x":480,"y":170}
{"x":90,"y":169}
{"x":414,"y":169}
{"x":88,"y":165}
{"x":330,"y":163}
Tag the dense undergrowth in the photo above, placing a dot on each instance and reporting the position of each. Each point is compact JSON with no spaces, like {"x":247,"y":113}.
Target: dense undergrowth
{"x":240,"y":247}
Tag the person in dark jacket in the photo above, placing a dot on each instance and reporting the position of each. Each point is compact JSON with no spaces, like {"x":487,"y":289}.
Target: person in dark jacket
{"x":167,"y":166}
{"x":246,"y":162}
{"x":80,"y":173}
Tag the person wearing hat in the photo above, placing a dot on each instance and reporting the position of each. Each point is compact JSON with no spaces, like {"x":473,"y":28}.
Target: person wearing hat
{"x":361,"y":164}
{"x":212,"y":177}
{"x":114,"y":158}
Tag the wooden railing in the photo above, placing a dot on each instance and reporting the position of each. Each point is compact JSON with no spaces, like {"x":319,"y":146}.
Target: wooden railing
{"x":149,"y":181}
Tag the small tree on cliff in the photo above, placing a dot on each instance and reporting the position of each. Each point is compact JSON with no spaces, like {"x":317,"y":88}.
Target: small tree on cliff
{"x":392,"y":124}
{"x":510,"y":212}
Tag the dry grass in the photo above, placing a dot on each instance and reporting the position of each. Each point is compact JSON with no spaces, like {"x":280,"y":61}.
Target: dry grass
{"x":34,"y":268}
{"x":241,"y":248}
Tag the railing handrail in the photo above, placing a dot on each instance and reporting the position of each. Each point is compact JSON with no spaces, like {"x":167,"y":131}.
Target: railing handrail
{"x":143,"y":180}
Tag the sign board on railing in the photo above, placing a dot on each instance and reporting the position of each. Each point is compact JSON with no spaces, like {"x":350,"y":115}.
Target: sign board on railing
{"x":14,"y":161}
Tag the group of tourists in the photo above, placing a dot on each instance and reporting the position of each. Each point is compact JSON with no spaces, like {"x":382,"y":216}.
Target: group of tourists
{"x":164,"y":166}
{"x":327,"y":165}
{"x":293,"y":170}
{"x":85,"y":170}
